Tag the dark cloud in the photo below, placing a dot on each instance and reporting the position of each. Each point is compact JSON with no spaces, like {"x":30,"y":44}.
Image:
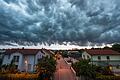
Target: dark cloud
{"x":29,"y":22}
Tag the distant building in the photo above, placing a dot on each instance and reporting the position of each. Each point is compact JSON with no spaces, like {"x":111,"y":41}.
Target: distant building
{"x":76,"y":54}
{"x":102,"y":57}
{"x":24,"y":59}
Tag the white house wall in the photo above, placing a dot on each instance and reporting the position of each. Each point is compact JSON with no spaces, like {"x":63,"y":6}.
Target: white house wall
{"x":30,"y":61}
{"x":103,"y":57}
{"x":39,"y":55}
{"x":20,"y":59}
{"x":46,"y":54}
{"x":6,"y":59}
{"x":114,"y":59}
{"x":85,"y":54}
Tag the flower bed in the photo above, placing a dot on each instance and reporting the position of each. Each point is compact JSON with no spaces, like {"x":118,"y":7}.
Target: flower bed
{"x":107,"y":77}
{"x":22,"y":76}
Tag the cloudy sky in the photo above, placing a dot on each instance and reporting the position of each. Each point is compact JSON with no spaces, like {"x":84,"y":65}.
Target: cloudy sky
{"x":77,"y":22}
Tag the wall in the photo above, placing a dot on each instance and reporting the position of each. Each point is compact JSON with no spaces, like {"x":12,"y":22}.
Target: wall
{"x":114,"y":59}
{"x":29,"y":66}
{"x":20,"y":59}
{"x":103,"y":57}
{"x":6,"y":59}
{"x":85,"y":54}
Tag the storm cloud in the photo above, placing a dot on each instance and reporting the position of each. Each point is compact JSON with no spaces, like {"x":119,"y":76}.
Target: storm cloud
{"x":57,"y":21}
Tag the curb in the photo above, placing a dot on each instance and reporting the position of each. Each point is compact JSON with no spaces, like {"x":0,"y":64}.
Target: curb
{"x":71,"y":68}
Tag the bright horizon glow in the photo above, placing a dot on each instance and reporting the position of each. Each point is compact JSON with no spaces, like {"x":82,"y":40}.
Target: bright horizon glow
{"x":53,"y":47}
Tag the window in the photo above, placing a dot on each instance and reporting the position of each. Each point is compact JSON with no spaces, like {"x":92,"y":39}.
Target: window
{"x":108,"y":57}
{"x":16,"y":58}
{"x":83,"y":56}
{"x":99,"y":57}
{"x":0,"y":56}
{"x":29,"y":66}
{"x":16,"y":66}
{"x":117,"y":67}
{"x":9,"y":56}
{"x":88,"y":57}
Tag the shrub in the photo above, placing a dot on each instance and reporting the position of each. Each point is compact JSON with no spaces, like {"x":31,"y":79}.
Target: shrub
{"x":107,"y":77}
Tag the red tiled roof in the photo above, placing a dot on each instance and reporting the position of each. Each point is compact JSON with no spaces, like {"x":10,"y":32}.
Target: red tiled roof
{"x":23,"y":51}
{"x":102,"y":52}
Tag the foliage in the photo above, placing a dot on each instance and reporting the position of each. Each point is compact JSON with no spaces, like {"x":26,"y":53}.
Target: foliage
{"x":106,"y":47}
{"x":116,"y":47}
{"x":107,"y":77}
{"x":64,"y":54}
{"x":47,"y":66}
{"x":18,"y":76}
{"x":9,"y":68}
{"x":0,"y":63}
{"x":84,"y":68}
{"x":103,"y":70}
{"x":1,"y":60}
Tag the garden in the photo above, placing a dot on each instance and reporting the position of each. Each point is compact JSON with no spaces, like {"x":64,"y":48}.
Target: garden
{"x":87,"y":71}
{"x":44,"y":71}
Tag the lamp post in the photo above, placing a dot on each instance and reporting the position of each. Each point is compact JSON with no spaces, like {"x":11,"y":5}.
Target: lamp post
{"x":26,"y":65}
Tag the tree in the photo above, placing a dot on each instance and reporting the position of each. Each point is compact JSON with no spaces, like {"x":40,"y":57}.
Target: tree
{"x":11,"y":68}
{"x":46,"y":66}
{"x":1,"y":62}
{"x":84,"y":68}
{"x":90,"y":71}
{"x":106,"y":47}
{"x":116,"y":47}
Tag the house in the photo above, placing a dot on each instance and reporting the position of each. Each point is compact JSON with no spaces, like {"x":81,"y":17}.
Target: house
{"x":76,"y":54}
{"x":47,"y":53}
{"x":73,"y":56}
{"x":102,"y":57}
{"x":1,"y":53}
{"x":24,"y":59}
{"x":1,"y":56}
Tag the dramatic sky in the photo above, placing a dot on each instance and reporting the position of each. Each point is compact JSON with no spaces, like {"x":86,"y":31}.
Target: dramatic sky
{"x":77,"y":22}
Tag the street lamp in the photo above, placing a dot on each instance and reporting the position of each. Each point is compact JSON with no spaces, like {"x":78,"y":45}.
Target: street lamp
{"x":26,"y":65}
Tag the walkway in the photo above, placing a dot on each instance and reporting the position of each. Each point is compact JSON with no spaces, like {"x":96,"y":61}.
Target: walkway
{"x":63,"y":71}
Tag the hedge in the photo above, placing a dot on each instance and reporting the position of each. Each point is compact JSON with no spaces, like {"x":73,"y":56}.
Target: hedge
{"x":18,"y":77}
{"x":107,"y":77}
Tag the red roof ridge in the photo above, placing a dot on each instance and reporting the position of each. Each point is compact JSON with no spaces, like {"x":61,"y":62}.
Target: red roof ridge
{"x":102,"y":52}
{"x":23,"y":51}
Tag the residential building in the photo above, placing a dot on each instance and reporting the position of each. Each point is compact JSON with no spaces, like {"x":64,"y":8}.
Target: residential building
{"x":76,"y":54}
{"x":24,"y":59}
{"x":102,"y":57}
{"x":1,"y":56}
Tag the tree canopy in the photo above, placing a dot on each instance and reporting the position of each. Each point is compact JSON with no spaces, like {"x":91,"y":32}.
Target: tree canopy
{"x":116,"y":47}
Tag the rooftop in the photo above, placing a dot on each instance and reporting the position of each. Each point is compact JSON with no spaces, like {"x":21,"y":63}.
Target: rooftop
{"x":102,"y":52}
{"x":23,"y":51}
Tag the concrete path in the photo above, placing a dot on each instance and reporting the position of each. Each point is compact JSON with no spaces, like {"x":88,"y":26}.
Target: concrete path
{"x":63,"y":71}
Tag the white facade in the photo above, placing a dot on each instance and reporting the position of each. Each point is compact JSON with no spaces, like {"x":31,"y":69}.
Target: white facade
{"x":25,"y":62}
{"x":103,"y":60}
{"x":85,"y":55}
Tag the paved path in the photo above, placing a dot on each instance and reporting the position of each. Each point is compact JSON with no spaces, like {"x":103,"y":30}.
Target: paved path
{"x":63,"y":71}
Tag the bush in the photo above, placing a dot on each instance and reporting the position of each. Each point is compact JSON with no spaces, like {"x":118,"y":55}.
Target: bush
{"x":107,"y":77}
{"x":18,"y":77}
{"x":46,"y":66}
{"x":84,"y":68}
